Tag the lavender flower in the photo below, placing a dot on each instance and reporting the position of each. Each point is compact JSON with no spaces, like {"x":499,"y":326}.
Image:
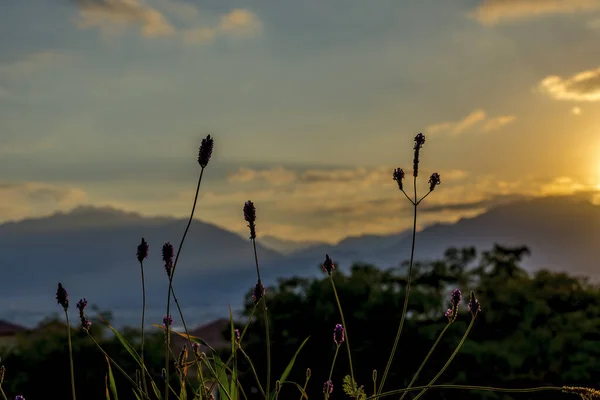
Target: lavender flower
{"x":85,"y":323}
{"x":474,"y":306}
{"x":237,"y":335}
{"x":142,"y":250}
{"x":456,"y":297}
{"x":449,"y":313}
{"x":338,"y":334}
{"x":419,"y":141}
{"x":167,"y":320}
{"x":328,"y":265}
{"x":19,"y":397}
{"x":167,"y":256}
{"x":62,"y":297}
{"x":205,"y":151}
{"x":398,"y":177}
{"x":258,"y":292}
{"x":328,"y":387}
{"x":250,"y":217}
{"x":434,"y":181}
{"x":81,"y":305}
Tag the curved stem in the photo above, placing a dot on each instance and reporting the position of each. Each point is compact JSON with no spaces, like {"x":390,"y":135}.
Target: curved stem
{"x":168,"y":344}
{"x":407,"y":295}
{"x":462,"y":341}
{"x":71,"y":356}
{"x":262,"y":391}
{"x":427,"y":358}
{"x":468,"y":387}
{"x":113,"y":362}
{"x":337,"y":349}
{"x":144,"y":384}
{"x":337,"y":299}
{"x":3,"y":394}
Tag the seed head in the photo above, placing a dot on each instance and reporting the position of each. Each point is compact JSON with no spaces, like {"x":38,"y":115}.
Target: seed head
{"x":196,"y":349}
{"x":338,"y":334}
{"x":328,"y":265}
{"x":206,"y":148}
{"x":328,"y":387}
{"x":419,"y":141}
{"x":85,"y":323}
{"x":308,"y":373}
{"x":585,"y":393}
{"x":250,"y":217}
{"x":258,"y":292}
{"x":62,"y":297}
{"x":474,"y":305}
{"x":434,"y":181}
{"x":167,"y":256}
{"x":398,"y":177}
{"x":167,"y":320}
{"x":182,"y":359}
{"x":142,"y":250}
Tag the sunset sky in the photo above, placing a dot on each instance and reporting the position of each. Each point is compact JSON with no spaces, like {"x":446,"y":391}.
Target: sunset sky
{"x":312,"y":105}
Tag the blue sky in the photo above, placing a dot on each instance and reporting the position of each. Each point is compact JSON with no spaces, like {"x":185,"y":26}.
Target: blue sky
{"x":312,"y":104}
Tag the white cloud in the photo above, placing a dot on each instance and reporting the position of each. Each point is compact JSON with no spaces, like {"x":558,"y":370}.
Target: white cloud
{"x":469,"y":122}
{"x":583,"y":86}
{"x":492,"y":12}
{"x":493,"y":124}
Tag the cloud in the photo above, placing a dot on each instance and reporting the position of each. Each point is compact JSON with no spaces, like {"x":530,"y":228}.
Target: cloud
{"x":110,"y":15}
{"x":492,"y":12}
{"x":469,"y":122}
{"x":274,"y":176}
{"x":25,"y":199}
{"x":240,"y":22}
{"x":583,"y":86}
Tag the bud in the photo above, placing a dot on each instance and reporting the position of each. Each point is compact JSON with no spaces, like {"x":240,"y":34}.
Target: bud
{"x":398,"y":177}
{"x":474,"y":306}
{"x":338,"y":334}
{"x":62,"y":297}
{"x":328,"y":265}
{"x":250,"y":217}
{"x":419,"y":141}
{"x":434,"y":181}
{"x":205,"y":151}
{"x":142,"y":250}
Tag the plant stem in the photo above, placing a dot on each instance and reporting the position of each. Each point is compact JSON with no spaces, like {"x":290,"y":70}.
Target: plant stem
{"x":266,"y":316}
{"x":144,"y":384}
{"x":168,"y":344}
{"x":467,"y":387}
{"x":71,"y":356}
{"x":451,"y":357}
{"x":337,"y":349}
{"x":427,"y":358}
{"x":406,"y":296}
{"x":3,"y":394}
{"x":262,"y":391}
{"x":337,"y":299}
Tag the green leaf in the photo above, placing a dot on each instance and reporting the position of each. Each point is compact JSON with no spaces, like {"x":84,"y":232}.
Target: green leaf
{"x":137,"y":396}
{"x":290,"y":365}
{"x":221,"y":372}
{"x":157,"y":392}
{"x":106,"y":386}
{"x":124,"y":342}
{"x":111,"y":381}
{"x":194,"y":339}
{"x":233,"y":384}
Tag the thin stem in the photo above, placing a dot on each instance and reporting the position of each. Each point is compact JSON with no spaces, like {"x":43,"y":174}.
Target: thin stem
{"x":71,"y":356}
{"x":407,"y":295}
{"x":337,"y":349}
{"x":303,"y":391}
{"x":171,"y":285}
{"x":113,"y":361}
{"x":427,"y":357}
{"x":423,"y":198}
{"x":462,"y":341}
{"x":337,"y":299}
{"x":256,"y":259}
{"x":409,"y":199}
{"x":262,"y":391}
{"x":468,"y":387}
{"x":144,"y":384}
{"x":268,"y":347}
{"x":3,"y":394}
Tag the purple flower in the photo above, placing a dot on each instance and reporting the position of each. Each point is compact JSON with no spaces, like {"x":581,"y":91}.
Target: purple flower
{"x":205,"y":151}
{"x":196,"y":349}
{"x":419,"y":141}
{"x":167,"y":256}
{"x":398,"y":177}
{"x":250,"y":217}
{"x":237,"y":334}
{"x":338,"y":334}
{"x":62,"y":297}
{"x":456,"y":297}
{"x":82,"y":304}
{"x":258,"y":292}
{"x":167,"y":320}
{"x":434,"y":181}
{"x":449,"y":313}
{"x":19,"y":397}
{"x":328,"y":387}
{"x":328,"y":265}
{"x":474,"y":306}
{"x":142,"y":250}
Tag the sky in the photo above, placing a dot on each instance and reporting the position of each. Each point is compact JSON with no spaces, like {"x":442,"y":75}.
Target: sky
{"x":312,"y":104}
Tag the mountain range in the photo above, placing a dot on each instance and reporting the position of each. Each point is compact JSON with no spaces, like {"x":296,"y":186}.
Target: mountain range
{"x":92,"y":252}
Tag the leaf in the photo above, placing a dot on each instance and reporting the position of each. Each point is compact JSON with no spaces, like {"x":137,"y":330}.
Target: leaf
{"x":221,"y":371}
{"x":194,"y":339}
{"x":106,"y":386}
{"x":290,"y":365}
{"x":137,"y":396}
{"x":111,"y":381}
{"x":157,"y":392}
{"x":233,"y":384}
{"x":124,"y":342}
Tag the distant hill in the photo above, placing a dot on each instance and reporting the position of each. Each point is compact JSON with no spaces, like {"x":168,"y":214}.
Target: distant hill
{"x":92,"y":252}
{"x":286,"y":246}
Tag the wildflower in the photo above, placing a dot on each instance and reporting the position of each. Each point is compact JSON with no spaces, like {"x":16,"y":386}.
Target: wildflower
{"x":434,"y":181}
{"x":62,"y":297}
{"x":85,"y":323}
{"x":250,"y":217}
{"x":338,"y":334}
{"x":328,"y":387}
{"x":196,"y":349}
{"x":474,"y":306}
{"x":167,"y":320}
{"x":19,"y":397}
{"x":167,"y":256}
{"x":328,"y":265}
{"x":206,"y":148}
{"x":456,"y":297}
{"x":398,"y":177}
{"x":258,"y":292}
{"x":142,"y":250}
{"x":237,"y":335}
{"x":419,"y":141}
{"x":449,"y":313}
{"x":81,"y":305}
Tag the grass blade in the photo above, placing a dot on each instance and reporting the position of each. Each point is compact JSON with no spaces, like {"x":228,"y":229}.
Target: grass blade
{"x":130,"y":349}
{"x":290,"y":365}
{"x":111,"y":381}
